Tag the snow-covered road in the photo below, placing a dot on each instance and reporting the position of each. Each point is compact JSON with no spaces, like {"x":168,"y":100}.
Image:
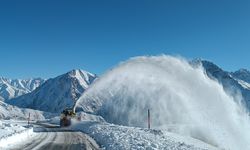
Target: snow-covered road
{"x":55,"y":138}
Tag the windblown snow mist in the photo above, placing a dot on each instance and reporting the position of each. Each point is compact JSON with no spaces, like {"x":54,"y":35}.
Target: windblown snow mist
{"x":179,"y":96}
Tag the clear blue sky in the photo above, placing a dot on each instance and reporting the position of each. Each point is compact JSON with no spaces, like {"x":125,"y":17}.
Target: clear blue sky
{"x":45,"y":38}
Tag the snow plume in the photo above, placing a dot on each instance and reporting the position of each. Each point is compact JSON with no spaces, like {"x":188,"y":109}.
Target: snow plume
{"x":181,"y":98}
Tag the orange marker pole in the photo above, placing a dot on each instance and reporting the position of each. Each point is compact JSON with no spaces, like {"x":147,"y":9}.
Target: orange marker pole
{"x":148,"y":119}
{"x":29,"y":119}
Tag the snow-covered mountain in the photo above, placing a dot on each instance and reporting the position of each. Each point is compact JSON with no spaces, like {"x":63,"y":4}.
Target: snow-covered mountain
{"x":58,"y":93}
{"x":237,"y":82}
{"x":13,"y":88}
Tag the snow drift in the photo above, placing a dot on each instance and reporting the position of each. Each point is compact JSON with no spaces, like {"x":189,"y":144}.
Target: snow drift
{"x":181,"y":98}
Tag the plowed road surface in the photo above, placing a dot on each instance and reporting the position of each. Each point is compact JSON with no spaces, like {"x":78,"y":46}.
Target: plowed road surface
{"x":48,"y":137}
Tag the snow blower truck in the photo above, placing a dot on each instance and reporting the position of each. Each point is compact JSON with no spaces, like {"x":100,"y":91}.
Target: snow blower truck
{"x":66,"y":116}
{"x":69,"y":113}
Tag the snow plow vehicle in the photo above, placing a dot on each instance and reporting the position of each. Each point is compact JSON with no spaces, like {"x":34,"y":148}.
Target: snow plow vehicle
{"x":66,"y":116}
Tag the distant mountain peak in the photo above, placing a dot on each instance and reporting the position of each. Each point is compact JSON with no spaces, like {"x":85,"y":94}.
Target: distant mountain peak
{"x":77,"y":72}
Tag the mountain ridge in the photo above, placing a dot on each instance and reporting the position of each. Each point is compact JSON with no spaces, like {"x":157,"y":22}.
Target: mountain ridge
{"x":57,"y":93}
{"x":12,"y":88}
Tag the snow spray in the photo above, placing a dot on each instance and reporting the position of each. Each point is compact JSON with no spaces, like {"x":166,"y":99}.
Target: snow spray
{"x":181,"y":98}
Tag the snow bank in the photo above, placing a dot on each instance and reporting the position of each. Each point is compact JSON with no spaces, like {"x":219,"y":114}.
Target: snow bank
{"x":110,"y":136}
{"x":13,"y":133}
